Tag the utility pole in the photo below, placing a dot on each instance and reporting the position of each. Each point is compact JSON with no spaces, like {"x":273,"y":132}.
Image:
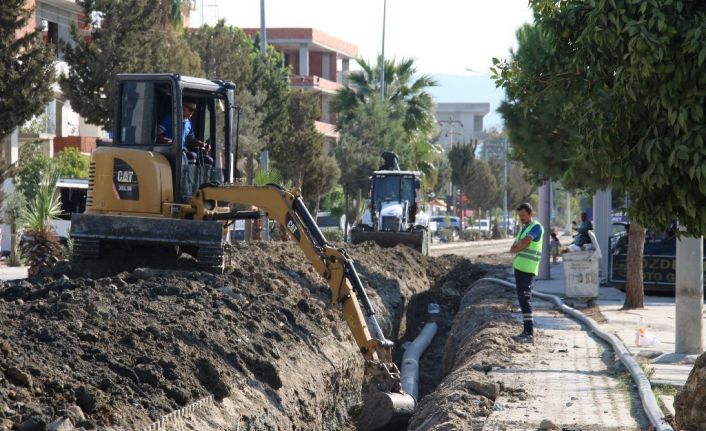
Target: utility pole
{"x":263,"y":29}
{"x":689,"y":296}
{"x":382,"y":61}
{"x":505,"y":192}
{"x":544,"y":219}
{"x":265,"y":154}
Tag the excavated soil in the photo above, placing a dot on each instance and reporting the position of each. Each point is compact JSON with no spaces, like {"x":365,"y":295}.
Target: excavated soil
{"x":259,"y":347}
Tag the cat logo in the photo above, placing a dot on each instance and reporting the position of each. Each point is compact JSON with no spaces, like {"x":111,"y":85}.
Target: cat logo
{"x":124,"y":176}
{"x":293,"y":228}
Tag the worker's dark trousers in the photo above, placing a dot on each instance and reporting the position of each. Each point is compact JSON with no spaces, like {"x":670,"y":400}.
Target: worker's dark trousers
{"x":524,"y":281}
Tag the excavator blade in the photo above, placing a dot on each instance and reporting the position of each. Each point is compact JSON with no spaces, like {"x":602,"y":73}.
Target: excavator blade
{"x":90,"y":230}
{"x":381,"y":409}
{"x":417,"y":239}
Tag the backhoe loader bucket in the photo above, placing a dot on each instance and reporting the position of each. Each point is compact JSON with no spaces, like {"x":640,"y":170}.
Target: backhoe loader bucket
{"x":416,"y":239}
{"x":381,"y":409}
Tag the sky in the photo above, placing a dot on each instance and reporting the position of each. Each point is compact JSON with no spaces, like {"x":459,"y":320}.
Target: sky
{"x":444,"y":37}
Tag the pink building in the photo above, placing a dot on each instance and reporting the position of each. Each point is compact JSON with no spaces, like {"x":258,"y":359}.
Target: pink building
{"x":320,"y":62}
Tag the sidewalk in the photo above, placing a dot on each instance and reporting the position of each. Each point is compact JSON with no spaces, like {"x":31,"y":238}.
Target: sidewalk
{"x":658,"y":316}
{"x":12,"y":272}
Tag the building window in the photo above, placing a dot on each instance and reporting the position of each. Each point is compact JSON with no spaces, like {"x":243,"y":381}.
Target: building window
{"x":52,"y":33}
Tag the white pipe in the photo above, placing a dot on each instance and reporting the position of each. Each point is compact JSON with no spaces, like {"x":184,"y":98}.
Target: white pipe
{"x":409,"y":375}
{"x":649,"y":403}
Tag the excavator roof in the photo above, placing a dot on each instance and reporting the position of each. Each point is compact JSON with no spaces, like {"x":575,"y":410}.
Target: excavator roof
{"x":415,"y":173}
{"x":185,"y":82}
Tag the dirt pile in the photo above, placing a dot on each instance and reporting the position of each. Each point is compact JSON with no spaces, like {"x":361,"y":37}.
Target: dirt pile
{"x":123,"y":349}
{"x":477,"y":342}
{"x":690,"y":402}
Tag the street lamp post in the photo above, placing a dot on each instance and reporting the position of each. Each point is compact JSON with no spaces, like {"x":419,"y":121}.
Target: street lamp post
{"x":382,"y":61}
{"x":505,"y":194}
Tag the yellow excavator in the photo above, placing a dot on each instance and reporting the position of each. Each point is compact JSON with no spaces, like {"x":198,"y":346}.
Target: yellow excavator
{"x":149,"y":186}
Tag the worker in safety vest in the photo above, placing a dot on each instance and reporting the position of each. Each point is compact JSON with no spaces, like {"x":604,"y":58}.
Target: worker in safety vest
{"x":528,"y":250}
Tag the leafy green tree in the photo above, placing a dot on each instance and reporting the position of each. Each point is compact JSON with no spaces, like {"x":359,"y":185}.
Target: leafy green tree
{"x":405,"y":92}
{"x":357,"y":162}
{"x":303,"y":144}
{"x":462,"y":158}
{"x":125,"y":37}
{"x":483,"y":190}
{"x":72,"y":164}
{"x":227,"y":53}
{"x":320,"y":179}
{"x":26,"y":68}
{"x":31,"y":164}
{"x":633,"y":73}
{"x":271,"y":78}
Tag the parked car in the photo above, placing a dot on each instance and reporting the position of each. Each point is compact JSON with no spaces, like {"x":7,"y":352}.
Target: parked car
{"x":483,"y":225}
{"x":447,"y":222}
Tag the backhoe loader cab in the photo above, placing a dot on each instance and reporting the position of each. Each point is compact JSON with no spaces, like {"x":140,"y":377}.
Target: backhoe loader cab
{"x":393,"y":215}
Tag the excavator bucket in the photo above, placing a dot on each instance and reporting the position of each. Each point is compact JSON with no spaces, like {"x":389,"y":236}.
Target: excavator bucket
{"x":381,"y":409}
{"x":417,"y":239}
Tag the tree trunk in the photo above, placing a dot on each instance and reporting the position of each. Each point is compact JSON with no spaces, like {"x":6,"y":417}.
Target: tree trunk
{"x":634,"y":289}
{"x":13,"y":243}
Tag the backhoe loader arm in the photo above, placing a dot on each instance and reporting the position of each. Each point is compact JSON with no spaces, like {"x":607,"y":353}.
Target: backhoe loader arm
{"x":334,"y":265}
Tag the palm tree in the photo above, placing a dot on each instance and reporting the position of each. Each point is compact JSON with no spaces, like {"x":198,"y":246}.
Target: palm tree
{"x":406,"y":95}
{"x":41,"y":248}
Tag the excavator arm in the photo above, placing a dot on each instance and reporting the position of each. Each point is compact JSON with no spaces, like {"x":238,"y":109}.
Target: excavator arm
{"x":385,"y":401}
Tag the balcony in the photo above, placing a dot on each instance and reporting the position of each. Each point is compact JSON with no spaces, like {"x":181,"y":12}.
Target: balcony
{"x":315,"y":82}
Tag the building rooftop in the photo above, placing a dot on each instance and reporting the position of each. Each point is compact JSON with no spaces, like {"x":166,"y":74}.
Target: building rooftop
{"x":479,"y":108}
{"x":317,"y":40}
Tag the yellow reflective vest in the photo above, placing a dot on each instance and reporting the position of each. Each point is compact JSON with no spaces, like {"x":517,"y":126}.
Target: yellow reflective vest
{"x":528,"y":259}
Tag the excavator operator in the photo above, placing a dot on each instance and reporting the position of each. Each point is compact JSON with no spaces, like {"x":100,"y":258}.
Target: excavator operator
{"x":192,"y":146}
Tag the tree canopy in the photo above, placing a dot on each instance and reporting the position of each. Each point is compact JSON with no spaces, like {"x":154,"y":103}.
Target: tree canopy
{"x":633,"y":79}
{"x":26,"y":68}
{"x":126,"y":37}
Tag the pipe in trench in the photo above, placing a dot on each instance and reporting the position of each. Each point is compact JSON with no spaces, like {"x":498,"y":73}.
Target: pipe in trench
{"x":409,"y":374}
{"x":644,"y":388}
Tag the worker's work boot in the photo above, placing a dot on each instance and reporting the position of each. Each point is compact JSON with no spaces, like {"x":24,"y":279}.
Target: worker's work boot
{"x":524,"y":337}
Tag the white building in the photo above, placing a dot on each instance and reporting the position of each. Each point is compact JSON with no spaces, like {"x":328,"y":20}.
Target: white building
{"x":460,"y":122}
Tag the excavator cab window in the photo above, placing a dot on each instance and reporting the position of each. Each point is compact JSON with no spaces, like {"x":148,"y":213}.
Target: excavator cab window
{"x":137,"y":119}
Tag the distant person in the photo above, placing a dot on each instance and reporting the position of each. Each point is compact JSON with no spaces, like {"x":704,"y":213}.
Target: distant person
{"x":496,"y":231}
{"x":190,"y":144}
{"x":582,"y":231}
{"x":555,"y":246}
{"x":528,"y":250}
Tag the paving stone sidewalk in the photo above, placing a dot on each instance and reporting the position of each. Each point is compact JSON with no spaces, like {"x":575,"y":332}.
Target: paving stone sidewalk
{"x":570,"y":379}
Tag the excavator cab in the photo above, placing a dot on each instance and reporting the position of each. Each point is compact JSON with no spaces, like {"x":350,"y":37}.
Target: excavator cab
{"x":152,"y":115}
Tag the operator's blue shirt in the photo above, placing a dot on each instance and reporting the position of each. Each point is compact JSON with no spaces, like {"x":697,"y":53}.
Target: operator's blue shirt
{"x":535,"y":232}
{"x":166,"y":126}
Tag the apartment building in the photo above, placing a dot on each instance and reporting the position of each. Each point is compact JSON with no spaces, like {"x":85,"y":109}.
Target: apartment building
{"x":320,"y":62}
{"x":58,"y":126}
